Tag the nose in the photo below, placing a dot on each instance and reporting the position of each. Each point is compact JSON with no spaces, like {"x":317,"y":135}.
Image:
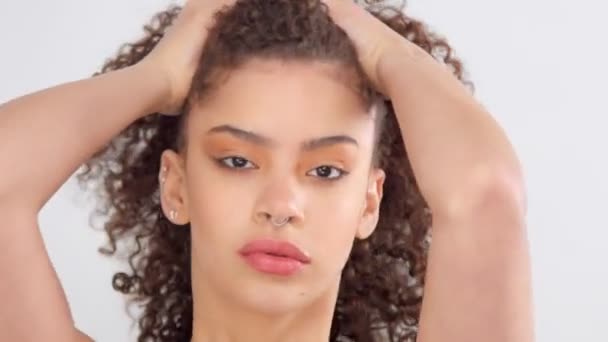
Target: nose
{"x":278,"y":201}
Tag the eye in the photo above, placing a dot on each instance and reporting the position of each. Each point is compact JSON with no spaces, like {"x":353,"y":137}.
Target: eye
{"x":328,"y":172}
{"x":235,"y":162}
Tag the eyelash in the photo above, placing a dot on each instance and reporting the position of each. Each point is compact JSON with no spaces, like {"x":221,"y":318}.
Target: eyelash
{"x":223,"y":163}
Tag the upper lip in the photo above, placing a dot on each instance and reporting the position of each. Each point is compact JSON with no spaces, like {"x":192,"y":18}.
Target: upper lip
{"x":275,"y":247}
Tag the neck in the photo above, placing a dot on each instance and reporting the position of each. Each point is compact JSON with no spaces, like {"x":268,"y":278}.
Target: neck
{"x":243,"y":326}
{"x":218,"y":318}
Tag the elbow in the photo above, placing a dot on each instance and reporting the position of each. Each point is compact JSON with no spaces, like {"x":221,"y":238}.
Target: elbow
{"x":499,"y":190}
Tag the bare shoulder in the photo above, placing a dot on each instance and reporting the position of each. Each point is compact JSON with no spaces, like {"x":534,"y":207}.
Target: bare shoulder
{"x":82,"y":337}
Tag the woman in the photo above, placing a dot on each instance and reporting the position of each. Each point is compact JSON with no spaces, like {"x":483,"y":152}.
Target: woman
{"x":273,"y":200}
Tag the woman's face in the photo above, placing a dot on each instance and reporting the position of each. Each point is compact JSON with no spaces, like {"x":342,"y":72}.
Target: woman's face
{"x":276,"y":139}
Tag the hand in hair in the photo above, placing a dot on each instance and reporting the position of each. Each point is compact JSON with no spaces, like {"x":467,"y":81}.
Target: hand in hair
{"x":177,"y":53}
{"x":373,"y":39}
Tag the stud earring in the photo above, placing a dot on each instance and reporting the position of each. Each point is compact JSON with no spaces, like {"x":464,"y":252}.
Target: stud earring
{"x":162,"y":177}
{"x":173,"y":215}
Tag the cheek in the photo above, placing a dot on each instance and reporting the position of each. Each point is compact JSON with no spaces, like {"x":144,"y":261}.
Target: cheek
{"x":342,"y":203}
{"x":218,"y":211}
{"x":334,"y":221}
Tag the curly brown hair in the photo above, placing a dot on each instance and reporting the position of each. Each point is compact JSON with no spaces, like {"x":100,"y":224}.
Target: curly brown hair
{"x":382,"y":282}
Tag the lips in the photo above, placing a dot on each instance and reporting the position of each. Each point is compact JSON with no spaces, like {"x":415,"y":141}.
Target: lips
{"x":274,"y":257}
{"x":276,"y":248}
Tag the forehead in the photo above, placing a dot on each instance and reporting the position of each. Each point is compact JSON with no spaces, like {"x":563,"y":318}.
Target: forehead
{"x":287,"y":100}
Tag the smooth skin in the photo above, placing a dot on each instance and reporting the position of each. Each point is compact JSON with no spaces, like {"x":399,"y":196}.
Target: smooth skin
{"x":478,"y":277}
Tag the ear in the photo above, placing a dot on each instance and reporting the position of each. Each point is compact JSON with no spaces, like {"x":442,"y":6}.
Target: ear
{"x":371,"y":208}
{"x":172,"y":183}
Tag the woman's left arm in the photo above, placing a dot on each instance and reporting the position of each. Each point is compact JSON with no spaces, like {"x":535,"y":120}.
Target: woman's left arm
{"x":478,"y":274}
{"x":478,"y":281}
{"x":460,"y":156}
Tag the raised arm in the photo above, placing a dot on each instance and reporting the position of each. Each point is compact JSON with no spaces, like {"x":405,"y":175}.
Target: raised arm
{"x":478,"y":272}
{"x":46,"y":136}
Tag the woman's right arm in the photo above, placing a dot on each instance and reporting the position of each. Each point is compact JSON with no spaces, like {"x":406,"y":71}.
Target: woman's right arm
{"x":44,"y":138}
{"x":47,"y":135}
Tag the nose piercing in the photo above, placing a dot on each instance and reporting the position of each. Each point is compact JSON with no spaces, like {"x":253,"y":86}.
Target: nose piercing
{"x":279,"y":223}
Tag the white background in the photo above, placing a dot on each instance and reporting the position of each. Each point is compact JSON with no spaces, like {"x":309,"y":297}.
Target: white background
{"x":539,"y":66}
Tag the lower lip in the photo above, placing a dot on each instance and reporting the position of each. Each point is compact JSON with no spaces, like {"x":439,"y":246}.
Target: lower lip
{"x":267,"y":263}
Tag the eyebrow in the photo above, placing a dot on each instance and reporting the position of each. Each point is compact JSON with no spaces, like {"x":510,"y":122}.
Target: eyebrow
{"x":257,"y":139}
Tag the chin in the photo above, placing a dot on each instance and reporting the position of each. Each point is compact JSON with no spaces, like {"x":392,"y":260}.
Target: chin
{"x":274,"y":298}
